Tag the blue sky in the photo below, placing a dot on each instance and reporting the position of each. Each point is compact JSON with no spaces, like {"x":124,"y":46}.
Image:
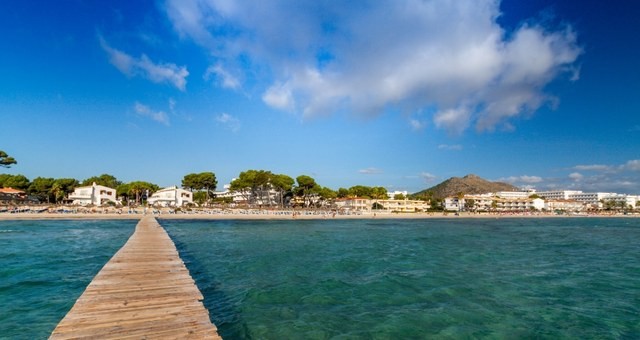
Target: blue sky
{"x":401,"y":94}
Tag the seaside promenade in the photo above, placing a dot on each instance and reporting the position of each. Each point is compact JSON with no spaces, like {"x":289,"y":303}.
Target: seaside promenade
{"x":144,"y":292}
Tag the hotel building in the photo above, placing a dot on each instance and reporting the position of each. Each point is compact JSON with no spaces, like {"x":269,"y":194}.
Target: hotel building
{"x":171,"y":197}
{"x":93,"y":194}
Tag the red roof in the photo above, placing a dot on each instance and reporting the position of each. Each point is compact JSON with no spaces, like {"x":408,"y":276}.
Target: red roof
{"x":11,"y":191}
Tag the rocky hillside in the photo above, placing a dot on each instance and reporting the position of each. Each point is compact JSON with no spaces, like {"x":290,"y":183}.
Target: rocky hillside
{"x":469,"y":184}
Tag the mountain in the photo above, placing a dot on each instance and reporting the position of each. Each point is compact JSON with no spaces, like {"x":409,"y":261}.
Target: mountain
{"x":469,"y":184}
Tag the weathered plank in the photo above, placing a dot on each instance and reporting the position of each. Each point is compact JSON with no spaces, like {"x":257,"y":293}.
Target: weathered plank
{"x":143,"y":292}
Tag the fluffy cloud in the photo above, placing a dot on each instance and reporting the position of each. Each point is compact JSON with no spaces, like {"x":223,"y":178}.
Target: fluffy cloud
{"x":522,"y":179}
{"x":145,"y":111}
{"x":143,"y":66}
{"x":632,"y":165}
{"x":451,"y":57}
{"x":226,"y":78}
{"x":621,"y":178}
{"x":231,"y":122}
{"x":280,"y":97}
{"x":576,"y":176}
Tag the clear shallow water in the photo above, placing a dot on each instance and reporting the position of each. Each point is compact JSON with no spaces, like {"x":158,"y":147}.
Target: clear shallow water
{"x":46,"y":265}
{"x":529,"y":278}
{"x":507,"y":278}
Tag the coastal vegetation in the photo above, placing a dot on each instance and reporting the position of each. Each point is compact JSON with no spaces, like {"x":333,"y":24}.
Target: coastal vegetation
{"x":254,"y":186}
{"x":205,"y":182}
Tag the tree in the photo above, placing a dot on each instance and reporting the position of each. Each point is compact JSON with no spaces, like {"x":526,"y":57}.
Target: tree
{"x":190,"y":182}
{"x":138,"y":188}
{"x":243,"y":185}
{"x":41,"y":187}
{"x":360,"y":191}
{"x":326,"y":194}
{"x":200,"y":197}
{"x":399,"y":197}
{"x":5,"y":160}
{"x":283,"y":184}
{"x":343,"y":193}
{"x":305,"y":185}
{"x":15,"y":181}
{"x":104,"y":179}
{"x":379,"y":193}
{"x":203,"y":181}
{"x":62,"y":187}
{"x":470,"y":203}
{"x":208,"y":183}
{"x":122,"y":191}
{"x":261,"y":185}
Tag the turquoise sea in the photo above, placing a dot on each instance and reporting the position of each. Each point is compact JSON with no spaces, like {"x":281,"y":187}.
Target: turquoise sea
{"x":350,"y":279}
{"x":46,"y":265}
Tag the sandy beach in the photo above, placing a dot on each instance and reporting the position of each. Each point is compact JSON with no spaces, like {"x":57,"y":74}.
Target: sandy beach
{"x":258,"y":214}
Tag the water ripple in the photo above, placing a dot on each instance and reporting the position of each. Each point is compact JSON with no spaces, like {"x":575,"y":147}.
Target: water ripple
{"x":516,"y":278}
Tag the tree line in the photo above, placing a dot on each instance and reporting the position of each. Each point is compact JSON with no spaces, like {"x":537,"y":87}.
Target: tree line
{"x":55,"y":190}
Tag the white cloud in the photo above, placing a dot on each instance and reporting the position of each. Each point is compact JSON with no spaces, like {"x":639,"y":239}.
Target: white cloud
{"x":453,"y":120}
{"x":593,"y":167}
{"x":145,"y":111}
{"x":226,"y":79}
{"x":417,"y":124}
{"x":321,"y":57}
{"x":370,"y":171}
{"x":280,"y":97}
{"x":454,"y":147}
{"x":632,"y":165}
{"x":427,"y":177}
{"x":231,"y":122}
{"x":143,"y":66}
{"x":576,"y":176}
{"x":521,"y":179}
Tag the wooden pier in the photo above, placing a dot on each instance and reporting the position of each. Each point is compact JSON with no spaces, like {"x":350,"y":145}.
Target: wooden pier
{"x":143,"y":292}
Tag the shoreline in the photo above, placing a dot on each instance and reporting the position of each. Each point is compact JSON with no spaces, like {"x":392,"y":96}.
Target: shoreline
{"x":256,"y":214}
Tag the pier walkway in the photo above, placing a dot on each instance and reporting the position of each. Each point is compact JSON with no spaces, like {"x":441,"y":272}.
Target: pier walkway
{"x":143,"y":292}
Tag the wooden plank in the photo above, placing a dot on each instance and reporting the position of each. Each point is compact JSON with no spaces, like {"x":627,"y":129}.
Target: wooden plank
{"x":144,"y":292}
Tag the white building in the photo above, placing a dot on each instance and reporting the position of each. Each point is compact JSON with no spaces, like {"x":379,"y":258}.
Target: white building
{"x":94,"y":194}
{"x":402,"y":205}
{"x":520,"y":204}
{"x":353,"y":204}
{"x":515,"y":194}
{"x":591,"y":199}
{"x":366,"y":204}
{"x":558,"y":194}
{"x":171,"y":197}
{"x":489,"y":202}
{"x":563,"y":205}
{"x":628,"y":200}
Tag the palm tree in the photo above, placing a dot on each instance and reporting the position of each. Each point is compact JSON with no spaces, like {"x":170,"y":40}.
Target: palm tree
{"x":58,"y":191}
